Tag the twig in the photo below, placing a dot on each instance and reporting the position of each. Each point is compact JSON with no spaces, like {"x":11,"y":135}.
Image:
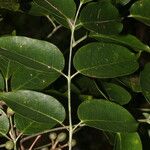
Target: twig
{"x":12,"y":132}
{"x":78,"y":125}
{"x":54,"y":30}
{"x":43,"y":146}
{"x":3,"y":145}
{"x":100,"y":91}
{"x":37,"y":138}
{"x":80,"y":40}
{"x":72,"y":27}
{"x":51,"y":21}
{"x":52,"y":130}
{"x":74,"y":74}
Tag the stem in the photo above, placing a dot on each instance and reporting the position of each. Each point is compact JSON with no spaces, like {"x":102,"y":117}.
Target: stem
{"x":78,"y":125}
{"x":54,"y":145}
{"x":6,"y":84}
{"x":42,"y":146}
{"x":69,"y":110}
{"x":7,"y":77}
{"x":15,"y":145}
{"x":52,"y":130}
{"x":74,"y":74}
{"x":12,"y":133}
{"x":18,"y":137}
{"x":80,"y":40}
{"x":51,"y":21}
{"x":72,"y":26}
{"x":144,"y":109}
{"x":59,"y":71}
{"x":3,"y":145}
{"x":54,"y":30}
{"x":101,"y":91}
{"x":144,"y":120}
{"x":37,"y":138}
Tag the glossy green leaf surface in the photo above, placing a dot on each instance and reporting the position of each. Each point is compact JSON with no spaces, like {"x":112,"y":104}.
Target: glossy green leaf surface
{"x":125,"y":40}
{"x":1,"y":82}
{"x":105,"y":115}
{"x":9,"y":4}
{"x":128,"y":141}
{"x":145,"y":82}
{"x":4,"y":123}
{"x":140,"y":11}
{"x":38,"y":10}
{"x":35,"y":106}
{"x":60,"y":10}
{"x":36,"y":54}
{"x":4,"y":67}
{"x":33,"y":64}
{"x":104,"y":60}
{"x":27,"y":78}
{"x":117,"y":93}
{"x":23,"y":77}
{"x":101,"y":17}
{"x":27,"y":126}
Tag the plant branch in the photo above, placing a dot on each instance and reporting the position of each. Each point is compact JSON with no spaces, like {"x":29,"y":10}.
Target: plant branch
{"x":101,"y":91}
{"x":3,"y":145}
{"x":19,"y":136}
{"x":12,"y":132}
{"x":80,"y":124}
{"x":59,"y":71}
{"x":43,"y":146}
{"x":47,"y":131}
{"x":74,"y":74}
{"x":6,"y":84}
{"x":72,"y":27}
{"x":51,"y":21}
{"x":54,"y":30}
{"x":80,"y":40}
{"x":37,"y":138}
{"x":78,"y":25}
